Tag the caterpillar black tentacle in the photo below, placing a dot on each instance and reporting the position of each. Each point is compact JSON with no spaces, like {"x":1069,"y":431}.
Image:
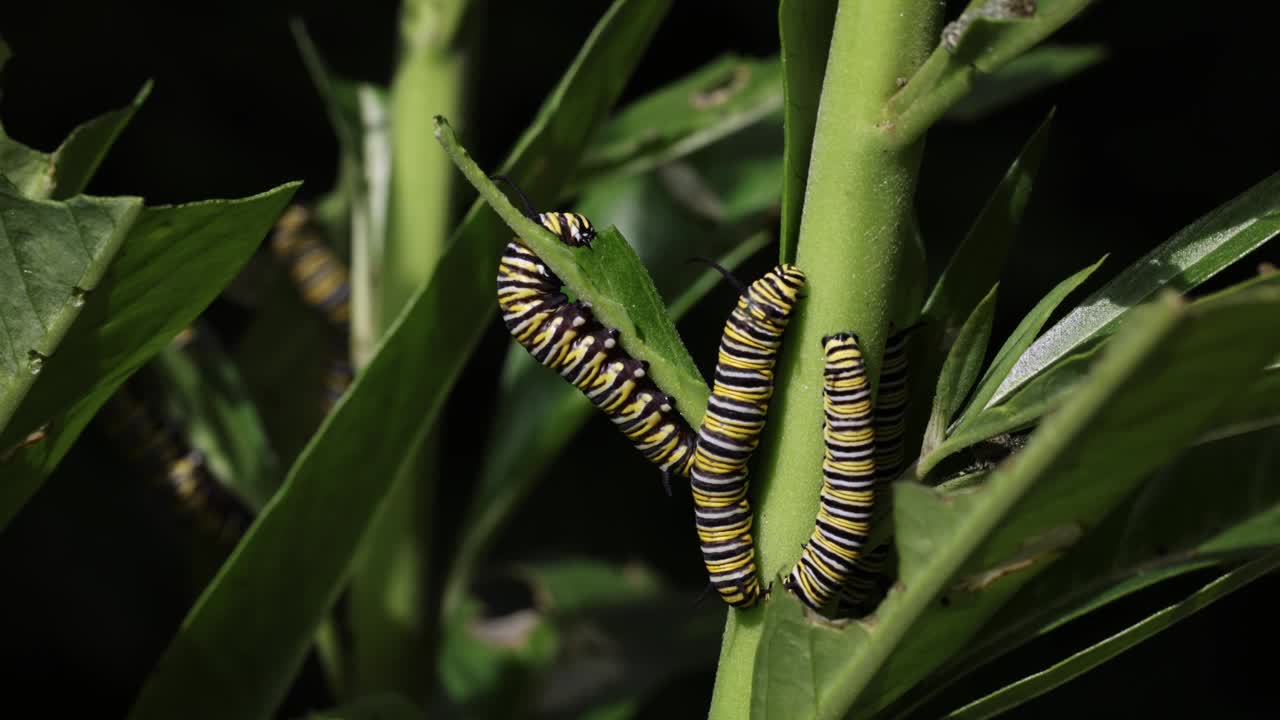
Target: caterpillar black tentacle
{"x":566,"y":337}
{"x":731,"y":431}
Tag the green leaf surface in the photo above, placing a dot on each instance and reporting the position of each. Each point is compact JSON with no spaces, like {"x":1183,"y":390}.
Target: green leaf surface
{"x":610,"y":277}
{"x":1170,"y":527}
{"x":174,"y":260}
{"x":960,"y":371}
{"x":805,"y":30}
{"x":67,"y":170}
{"x":1081,"y":662}
{"x":717,"y":100}
{"x":976,"y":44}
{"x":1020,"y":339}
{"x":538,"y":412}
{"x":1193,"y":255}
{"x":1026,"y":75}
{"x":977,"y":547}
{"x":208,"y":394}
{"x":241,"y":644}
{"x":52,"y":254}
{"x":373,"y":707}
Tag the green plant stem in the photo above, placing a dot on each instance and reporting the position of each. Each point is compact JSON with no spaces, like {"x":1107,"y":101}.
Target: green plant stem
{"x":393,"y":620}
{"x":855,"y":226}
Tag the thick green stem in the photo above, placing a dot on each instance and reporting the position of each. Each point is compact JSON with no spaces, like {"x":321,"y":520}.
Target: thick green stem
{"x":856,"y":222}
{"x":392,"y":619}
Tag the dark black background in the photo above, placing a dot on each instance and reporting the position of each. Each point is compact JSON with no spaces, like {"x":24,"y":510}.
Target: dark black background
{"x":1180,"y":118}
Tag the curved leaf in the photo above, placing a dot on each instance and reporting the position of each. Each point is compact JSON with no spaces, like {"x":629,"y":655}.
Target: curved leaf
{"x":248,"y":633}
{"x":1020,"y":339}
{"x":66,"y":171}
{"x":610,"y":277}
{"x":1185,"y":260}
{"x":960,"y":371}
{"x":174,"y":260}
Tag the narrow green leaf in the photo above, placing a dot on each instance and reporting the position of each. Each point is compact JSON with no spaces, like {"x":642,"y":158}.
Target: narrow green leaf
{"x":805,"y":30}
{"x":977,"y":547}
{"x":5,"y":53}
{"x":242,"y":642}
{"x":1040,"y":68}
{"x":978,"y":43}
{"x":52,"y":254}
{"x":208,"y":395}
{"x":960,"y":371}
{"x":693,"y":112}
{"x":612,"y":279}
{"x":973,"y":268}
{"x":1190,"y":257}
{"x":1062,"y":672}
{"x":66,"y":171}
{"x":1020,"y":339}
{"x":978,"y":262}
{"x":173,"y":262}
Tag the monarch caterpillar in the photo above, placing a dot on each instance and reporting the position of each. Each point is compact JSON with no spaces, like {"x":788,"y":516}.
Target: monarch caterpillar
{"x":731,"y":430}
{"x":319,"y":275}
{"x":323,"y":282}
{"x":157,"y":448}
{"x":566,"y":337}
{"x":848,"y":477}
{"x":865,"y":581}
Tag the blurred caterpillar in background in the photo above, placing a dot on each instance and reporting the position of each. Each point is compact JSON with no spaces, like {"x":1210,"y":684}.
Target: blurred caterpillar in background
{"x":158,"y":449}
{"x":731,"y":431}
{"x":324,"y":284}
{"x":566,"y":337}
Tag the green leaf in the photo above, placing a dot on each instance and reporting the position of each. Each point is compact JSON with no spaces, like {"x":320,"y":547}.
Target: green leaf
{"x":805,"y":29}
{"x":1081,"y":662}
{"x":610,"y":277}
{"x":208,"y":394}
{"x":52,"y":254}
{"x":1048,"y":389}
{"x":538,"y":412}
{"x":1170,"y":527}
{"x":979,"y":42}
{"x":963,"y":555}
{"x":1190,"y":257}
{"x":66,"y":171}
{"x":715,"y":101}
{"x":960,"y":371}
{"x":1040,"y":68}
{"x":5,"y":53}
{"x":242,"y":642}
{"x":174,"y":260}
{"x":1020,"y":339}
{"x":373,"y":707}
{"x":974,"y":267}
